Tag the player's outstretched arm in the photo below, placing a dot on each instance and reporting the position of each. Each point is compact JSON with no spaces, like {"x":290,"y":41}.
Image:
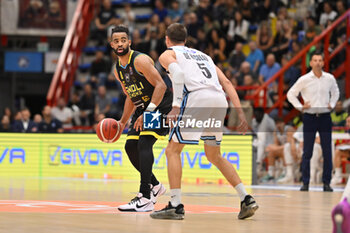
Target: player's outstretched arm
{"x":232,"y":94}
{"x":145,"y":65}
{"x":168,"y":61}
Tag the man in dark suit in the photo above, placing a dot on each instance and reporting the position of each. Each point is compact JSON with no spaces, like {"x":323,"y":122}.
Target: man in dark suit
{"x":25,"y":125}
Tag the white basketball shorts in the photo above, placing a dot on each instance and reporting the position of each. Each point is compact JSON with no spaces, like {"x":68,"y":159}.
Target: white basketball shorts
{"x":201,"y":117}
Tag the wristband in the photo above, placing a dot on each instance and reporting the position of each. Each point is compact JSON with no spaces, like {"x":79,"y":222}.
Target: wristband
{"x":151,"y":107}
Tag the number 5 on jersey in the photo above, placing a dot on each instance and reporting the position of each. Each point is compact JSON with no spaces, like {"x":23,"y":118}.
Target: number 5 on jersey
{"x":205,"y":70}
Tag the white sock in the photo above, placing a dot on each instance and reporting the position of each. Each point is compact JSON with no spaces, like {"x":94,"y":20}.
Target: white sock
{"x":346,"y":193}
{"x":259,"y":166}
{"x":271,"y":171}
{"x":175,"y":197}
{"x":289,"y":171}
{"x":241,"y":191}
{"x":337,"y":172}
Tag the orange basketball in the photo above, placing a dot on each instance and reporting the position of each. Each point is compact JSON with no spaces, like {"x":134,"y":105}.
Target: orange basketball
{"x":108,"y":130}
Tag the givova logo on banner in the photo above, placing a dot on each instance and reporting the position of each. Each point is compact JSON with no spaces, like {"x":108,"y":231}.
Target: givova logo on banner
{"x":11,"y":155}
{"x":94,"y":157}
{"x":84,"y":156}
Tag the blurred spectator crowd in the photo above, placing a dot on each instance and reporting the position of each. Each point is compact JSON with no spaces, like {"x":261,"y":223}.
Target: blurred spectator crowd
{"x":249,"y":40}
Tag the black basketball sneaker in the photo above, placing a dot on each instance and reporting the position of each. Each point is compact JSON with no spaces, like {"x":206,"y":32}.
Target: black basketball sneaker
{"x":248,"y":207}
{"x":170,"y":212}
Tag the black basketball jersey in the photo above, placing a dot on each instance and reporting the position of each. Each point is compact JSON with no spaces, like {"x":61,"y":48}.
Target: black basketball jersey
{"x":138,"y":88}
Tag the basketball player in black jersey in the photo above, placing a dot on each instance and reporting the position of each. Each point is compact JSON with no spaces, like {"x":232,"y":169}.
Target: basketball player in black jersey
{"x":145,"y":91}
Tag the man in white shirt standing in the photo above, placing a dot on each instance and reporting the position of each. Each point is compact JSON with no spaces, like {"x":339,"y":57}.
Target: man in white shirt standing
{"x":320,"y":93}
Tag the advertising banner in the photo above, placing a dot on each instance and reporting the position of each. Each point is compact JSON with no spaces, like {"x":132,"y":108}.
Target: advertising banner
{"x":51,"y":60}
{"x":23,"y":62}
{"x":84,"y":156}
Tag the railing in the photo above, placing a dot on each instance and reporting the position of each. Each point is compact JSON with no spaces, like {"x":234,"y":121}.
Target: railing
{"x":68,"y":60}
{"x":261,"y":99}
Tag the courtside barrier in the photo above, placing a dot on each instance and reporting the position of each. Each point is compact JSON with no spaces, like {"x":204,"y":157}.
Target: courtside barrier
{"x":84,"y":156}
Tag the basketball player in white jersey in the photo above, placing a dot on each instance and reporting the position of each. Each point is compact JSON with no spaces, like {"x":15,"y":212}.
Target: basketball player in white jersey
{"x":198,"y":95}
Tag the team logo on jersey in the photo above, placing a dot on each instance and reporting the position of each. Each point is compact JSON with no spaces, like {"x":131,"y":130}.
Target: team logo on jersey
{"x":151,"y":120}
{"x":127,"y":77}
{"x":145,"y":98}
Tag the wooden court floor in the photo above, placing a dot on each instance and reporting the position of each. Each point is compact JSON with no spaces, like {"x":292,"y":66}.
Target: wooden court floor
{"x":78,"y":205}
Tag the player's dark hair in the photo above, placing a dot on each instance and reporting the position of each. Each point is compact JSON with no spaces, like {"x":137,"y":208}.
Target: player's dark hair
{"x":120,"y":28}
{"x":316,"y":53}
{"x":177,"y":33}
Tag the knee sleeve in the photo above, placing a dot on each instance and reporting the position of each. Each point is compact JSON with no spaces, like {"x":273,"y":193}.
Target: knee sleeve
{"x":145,"y":145}
{"x":211,"y":142}
{"x":132,"y":152}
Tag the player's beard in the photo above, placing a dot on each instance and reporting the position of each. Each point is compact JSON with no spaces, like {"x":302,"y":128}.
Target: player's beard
{"x":125,"y":51}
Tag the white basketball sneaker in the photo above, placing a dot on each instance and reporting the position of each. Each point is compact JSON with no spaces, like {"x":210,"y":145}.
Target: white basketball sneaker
{"x":336,"y":180}
{"x":137,"y":204}
{"x":157,"y":191}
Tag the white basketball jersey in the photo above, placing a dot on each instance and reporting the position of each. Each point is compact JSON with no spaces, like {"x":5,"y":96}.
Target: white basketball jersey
{"x":199,"y":69}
